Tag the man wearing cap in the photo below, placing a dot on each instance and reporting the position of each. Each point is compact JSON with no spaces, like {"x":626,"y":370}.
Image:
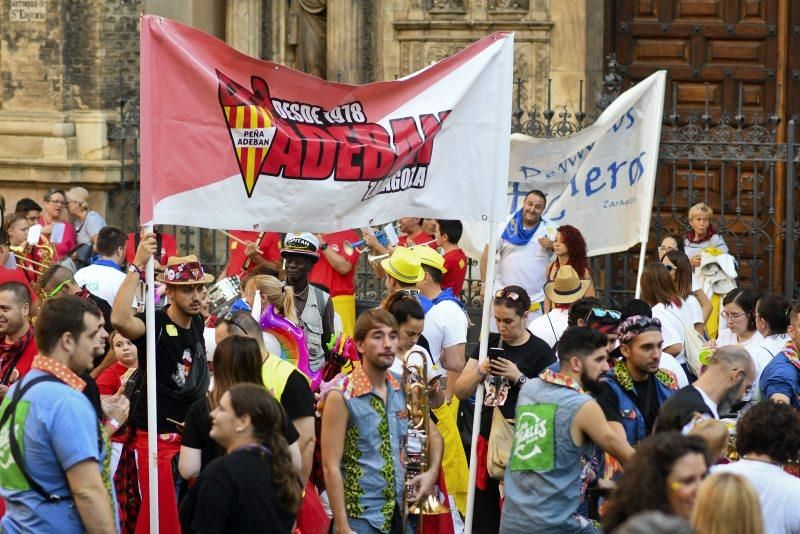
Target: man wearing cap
{"x":562,"y":292}
{"x":88,"y":223}
{"x":524,"y":251}
{"x":314,"y":306}
{"x":637,"y":387}
{"x":182,"y":373}
{"x":445,"y":318}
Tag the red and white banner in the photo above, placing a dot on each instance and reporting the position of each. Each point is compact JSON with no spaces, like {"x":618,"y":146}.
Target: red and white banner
{"x":228,"y":141}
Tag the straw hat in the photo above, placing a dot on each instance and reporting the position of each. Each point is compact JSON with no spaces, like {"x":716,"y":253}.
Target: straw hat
{"x":567,"y":286}
{"x":184,"y":270}
{"x":429,"y":256}
{"x":403,"y":265}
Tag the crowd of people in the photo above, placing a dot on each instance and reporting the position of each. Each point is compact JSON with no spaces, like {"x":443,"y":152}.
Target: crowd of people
{"x":279,"y":409}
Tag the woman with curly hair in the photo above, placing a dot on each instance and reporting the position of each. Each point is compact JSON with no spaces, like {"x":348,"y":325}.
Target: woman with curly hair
{"x":254,"y":487}
{"x":767,"y":438}
{"x":570,"y":249}
{"x":727,"y":504}
{"x":664,"y":475}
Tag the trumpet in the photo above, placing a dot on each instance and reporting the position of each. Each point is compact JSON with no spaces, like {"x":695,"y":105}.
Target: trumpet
{"x":415,"y":387}
{"x":373,"y":258}
{"x":386,"y":236}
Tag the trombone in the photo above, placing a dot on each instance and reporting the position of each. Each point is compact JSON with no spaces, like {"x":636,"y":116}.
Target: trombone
{"x":373,"y":258}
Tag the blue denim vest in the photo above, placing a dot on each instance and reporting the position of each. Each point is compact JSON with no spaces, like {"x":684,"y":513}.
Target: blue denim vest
{"x":372,"y":473}
{"x":621,"y":384}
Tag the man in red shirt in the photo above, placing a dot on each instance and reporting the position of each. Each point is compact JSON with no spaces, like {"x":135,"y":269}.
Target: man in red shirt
{"x":336,"y":271}
{"x":448,"y":234}
{"x":17,"y":343}
{"x":262,"y":249}
{"x":414,"y":234}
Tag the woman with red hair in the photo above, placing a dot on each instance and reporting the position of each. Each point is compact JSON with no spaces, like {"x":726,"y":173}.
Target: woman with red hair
{"x":570,"y":249}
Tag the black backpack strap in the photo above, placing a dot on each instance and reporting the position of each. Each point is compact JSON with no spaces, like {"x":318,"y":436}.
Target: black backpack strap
{"x":16,"y":453}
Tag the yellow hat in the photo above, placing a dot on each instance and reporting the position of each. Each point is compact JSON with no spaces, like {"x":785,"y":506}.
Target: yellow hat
{"x":404,"y":266}
{"x":429,"y":256}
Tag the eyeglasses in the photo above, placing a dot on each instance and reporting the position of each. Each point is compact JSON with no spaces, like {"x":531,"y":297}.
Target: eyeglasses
{"x":58,"y":288}
{"x":57,"y":202}
{"x":601,"y":313}
{"x":664,"y":248}
{"x":510,"y":295}
{"x":730,"y":315}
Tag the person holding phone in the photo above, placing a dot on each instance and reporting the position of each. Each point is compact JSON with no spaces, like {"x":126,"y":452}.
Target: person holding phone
{"x":515,"y":356}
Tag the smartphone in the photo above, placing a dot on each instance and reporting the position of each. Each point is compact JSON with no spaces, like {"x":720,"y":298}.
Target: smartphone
{"x":496,"y":352}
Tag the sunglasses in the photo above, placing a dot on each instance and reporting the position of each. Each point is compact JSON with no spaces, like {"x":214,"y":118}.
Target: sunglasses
{"x":229,"y":318}
{"x":510,"y":295}
{"x":601,"y":313}
{"x":670,"y":268}
{"x":58,"y":288}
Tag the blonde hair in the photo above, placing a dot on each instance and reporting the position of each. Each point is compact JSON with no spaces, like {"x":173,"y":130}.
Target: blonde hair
{"x":701,"y":208}
{"x":276,"y":292}
{"x":727,"y":504}
{"x":715,"y":434}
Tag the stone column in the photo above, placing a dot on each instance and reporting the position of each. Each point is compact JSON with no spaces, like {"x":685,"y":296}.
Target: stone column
{"x":345,"y":41}
{"x":243,"y":26}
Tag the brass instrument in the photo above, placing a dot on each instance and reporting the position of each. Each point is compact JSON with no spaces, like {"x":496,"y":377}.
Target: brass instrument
{"x":415,"y":387}
{"x":378,"y":257}
{"x":386,"y":236}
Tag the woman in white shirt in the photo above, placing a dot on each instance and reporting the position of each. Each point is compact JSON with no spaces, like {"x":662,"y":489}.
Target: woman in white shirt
{"x":739,"y":312}
{"x":698,"y":307}
{"x":772,"y":321}
{"x":659,"y":292}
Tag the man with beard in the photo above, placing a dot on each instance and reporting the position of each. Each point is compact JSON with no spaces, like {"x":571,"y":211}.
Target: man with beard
{"x":728,"y":377}
{"x":314,"y":306}
{"x":557,"y":427}
{"x":637,"y":387}
{"x":57,"y":467}
{"x":17,"y":343}
{"x":182,"y":373}
{"x":365,"y":423}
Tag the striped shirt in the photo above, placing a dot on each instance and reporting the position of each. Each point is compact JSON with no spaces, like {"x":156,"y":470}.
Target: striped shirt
{"x":90,"y":226}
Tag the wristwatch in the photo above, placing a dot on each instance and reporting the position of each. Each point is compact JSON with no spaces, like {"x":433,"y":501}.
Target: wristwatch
{"x":522,"y":380}
{"x":134,"y":269}
{"x":323,"y":247}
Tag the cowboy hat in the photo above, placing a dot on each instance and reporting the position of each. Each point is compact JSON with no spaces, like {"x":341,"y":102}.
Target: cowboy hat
{"x":428,"y":256}
{"x":567,"y":286}
{"x":184,"y":270}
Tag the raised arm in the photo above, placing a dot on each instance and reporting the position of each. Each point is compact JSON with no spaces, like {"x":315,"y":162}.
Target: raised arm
{"x":122,"y":314}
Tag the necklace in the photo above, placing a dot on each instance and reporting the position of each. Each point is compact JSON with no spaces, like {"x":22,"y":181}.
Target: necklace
{"x":745,"y":457}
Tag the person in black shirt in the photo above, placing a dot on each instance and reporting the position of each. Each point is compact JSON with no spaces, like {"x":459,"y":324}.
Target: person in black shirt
{"x":727,"y":378}
{"x":287,"y":383}
{"x":182,"y":375}
{"x":636,"y":387}
{"x":253,"y":488}
{"x":526,"y":356}
{"x":237,"y":359}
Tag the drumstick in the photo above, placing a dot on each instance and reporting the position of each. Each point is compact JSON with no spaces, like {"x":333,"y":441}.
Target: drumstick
{"x":242,"y":241}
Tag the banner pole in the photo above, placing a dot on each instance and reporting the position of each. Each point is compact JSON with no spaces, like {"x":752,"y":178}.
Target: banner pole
{"x":642,"y":253}
{"x":152,"y":427}
{"x":488,"y":297}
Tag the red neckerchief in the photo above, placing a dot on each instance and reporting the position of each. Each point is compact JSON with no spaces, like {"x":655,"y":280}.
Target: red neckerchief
{"x":11,"y":353}
{"x":690,"y":236}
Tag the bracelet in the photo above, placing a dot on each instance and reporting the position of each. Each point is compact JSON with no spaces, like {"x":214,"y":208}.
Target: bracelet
{"x":482,"y":375}
{"x":113,"y":423}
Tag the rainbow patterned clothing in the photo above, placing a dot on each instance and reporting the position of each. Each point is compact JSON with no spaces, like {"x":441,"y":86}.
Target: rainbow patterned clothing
{"x":372,"y":472}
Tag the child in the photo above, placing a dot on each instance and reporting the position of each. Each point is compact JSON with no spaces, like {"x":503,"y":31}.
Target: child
{"x":702,"y":235}
{"x":715,"y":434}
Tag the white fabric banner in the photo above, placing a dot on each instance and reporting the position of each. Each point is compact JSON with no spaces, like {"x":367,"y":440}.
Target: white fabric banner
{"x":238,"y":143}
{"x":600,"y":180}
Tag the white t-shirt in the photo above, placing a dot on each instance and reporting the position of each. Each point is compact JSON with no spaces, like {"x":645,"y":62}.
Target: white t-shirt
{"x":669,"y":363}
{"x":445,"y":326}
{"x":541,"y":326}
{"x":693,"y":310}
{"x":101,"y":281}
{"x":763,"y":353}
{"x":526,"y":265}
{"x":726,"y":337}
{"x":672,"y":326}
{"x":778,"y":493}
